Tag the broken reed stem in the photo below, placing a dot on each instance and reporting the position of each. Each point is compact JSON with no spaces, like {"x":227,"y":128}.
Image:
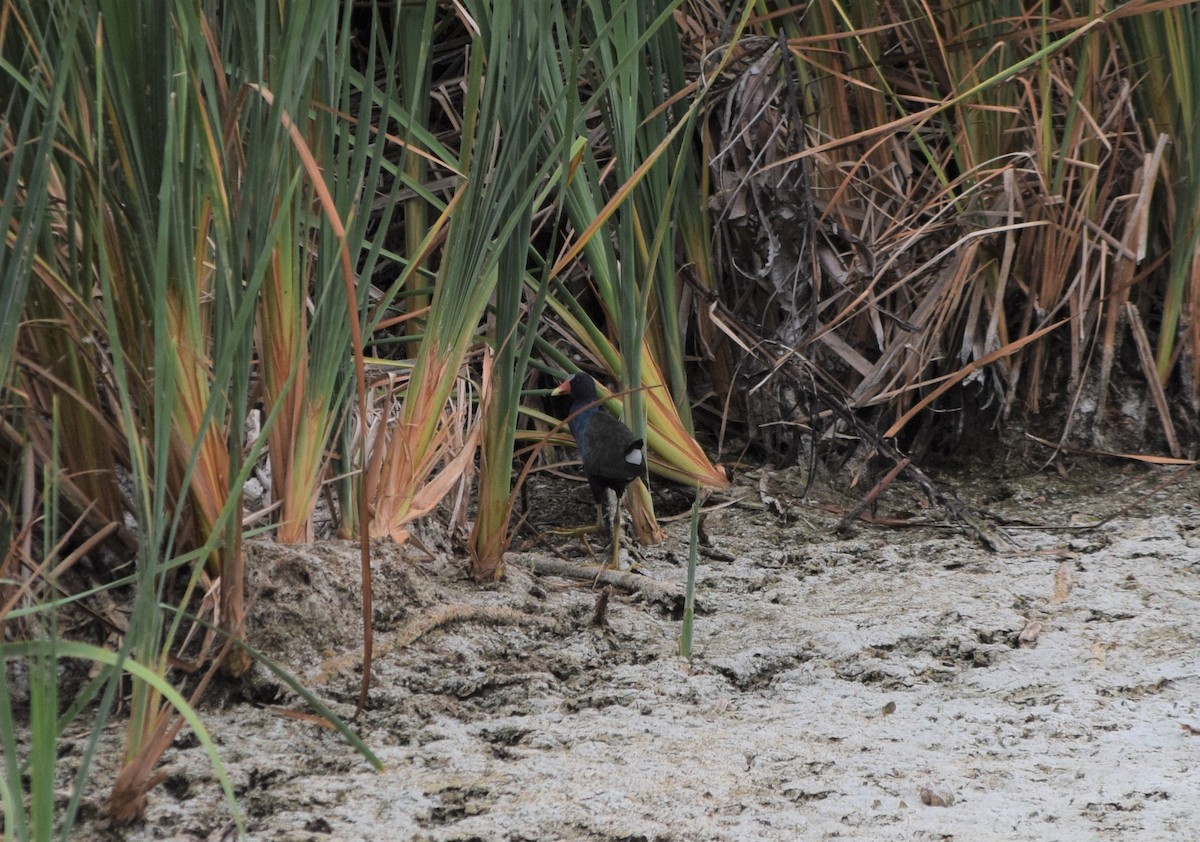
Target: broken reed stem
{"x":689,"y":603}
{"x":873,"y":495}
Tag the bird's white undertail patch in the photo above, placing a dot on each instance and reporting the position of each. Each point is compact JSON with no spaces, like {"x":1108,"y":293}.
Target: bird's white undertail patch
{"x":635,"y":456}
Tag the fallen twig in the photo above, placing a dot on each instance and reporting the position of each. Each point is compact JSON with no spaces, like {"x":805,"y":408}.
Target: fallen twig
{"x":871,"y":497}
{"x":668,"y":595}
{"x":421,"y":625}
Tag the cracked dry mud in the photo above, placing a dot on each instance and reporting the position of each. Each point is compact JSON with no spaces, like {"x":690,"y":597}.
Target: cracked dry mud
{"x":898,"y":683}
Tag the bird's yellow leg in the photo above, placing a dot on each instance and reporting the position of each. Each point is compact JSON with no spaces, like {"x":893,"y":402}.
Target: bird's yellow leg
{"x":615,"y":564}
{"x":614,"y":530}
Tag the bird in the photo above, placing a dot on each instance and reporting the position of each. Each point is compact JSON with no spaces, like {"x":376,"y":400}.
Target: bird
{"x":612,"y":455}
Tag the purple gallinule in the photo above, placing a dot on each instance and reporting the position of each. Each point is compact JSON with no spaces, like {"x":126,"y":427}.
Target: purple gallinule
{"x":612,"y":456}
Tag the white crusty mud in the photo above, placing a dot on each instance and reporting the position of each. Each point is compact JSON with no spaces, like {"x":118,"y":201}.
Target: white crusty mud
{"x":898,"y":683}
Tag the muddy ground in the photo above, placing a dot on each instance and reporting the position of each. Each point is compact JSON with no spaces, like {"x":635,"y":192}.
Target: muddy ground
{"x":901,"y":682}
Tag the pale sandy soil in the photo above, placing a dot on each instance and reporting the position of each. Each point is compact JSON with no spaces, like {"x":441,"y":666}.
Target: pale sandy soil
{"x":870,"y":687}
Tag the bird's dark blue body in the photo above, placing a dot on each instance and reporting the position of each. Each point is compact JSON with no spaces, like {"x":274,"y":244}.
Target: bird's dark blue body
{"x":611,"y":454}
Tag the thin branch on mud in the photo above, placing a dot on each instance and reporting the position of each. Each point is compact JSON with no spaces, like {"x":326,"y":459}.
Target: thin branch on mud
{"x":668,"y":595}
{"x":872,"y":496}
{"x":421,"y":625}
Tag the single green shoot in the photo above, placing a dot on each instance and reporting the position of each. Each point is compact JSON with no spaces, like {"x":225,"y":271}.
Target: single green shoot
{"x":689,"y":599}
